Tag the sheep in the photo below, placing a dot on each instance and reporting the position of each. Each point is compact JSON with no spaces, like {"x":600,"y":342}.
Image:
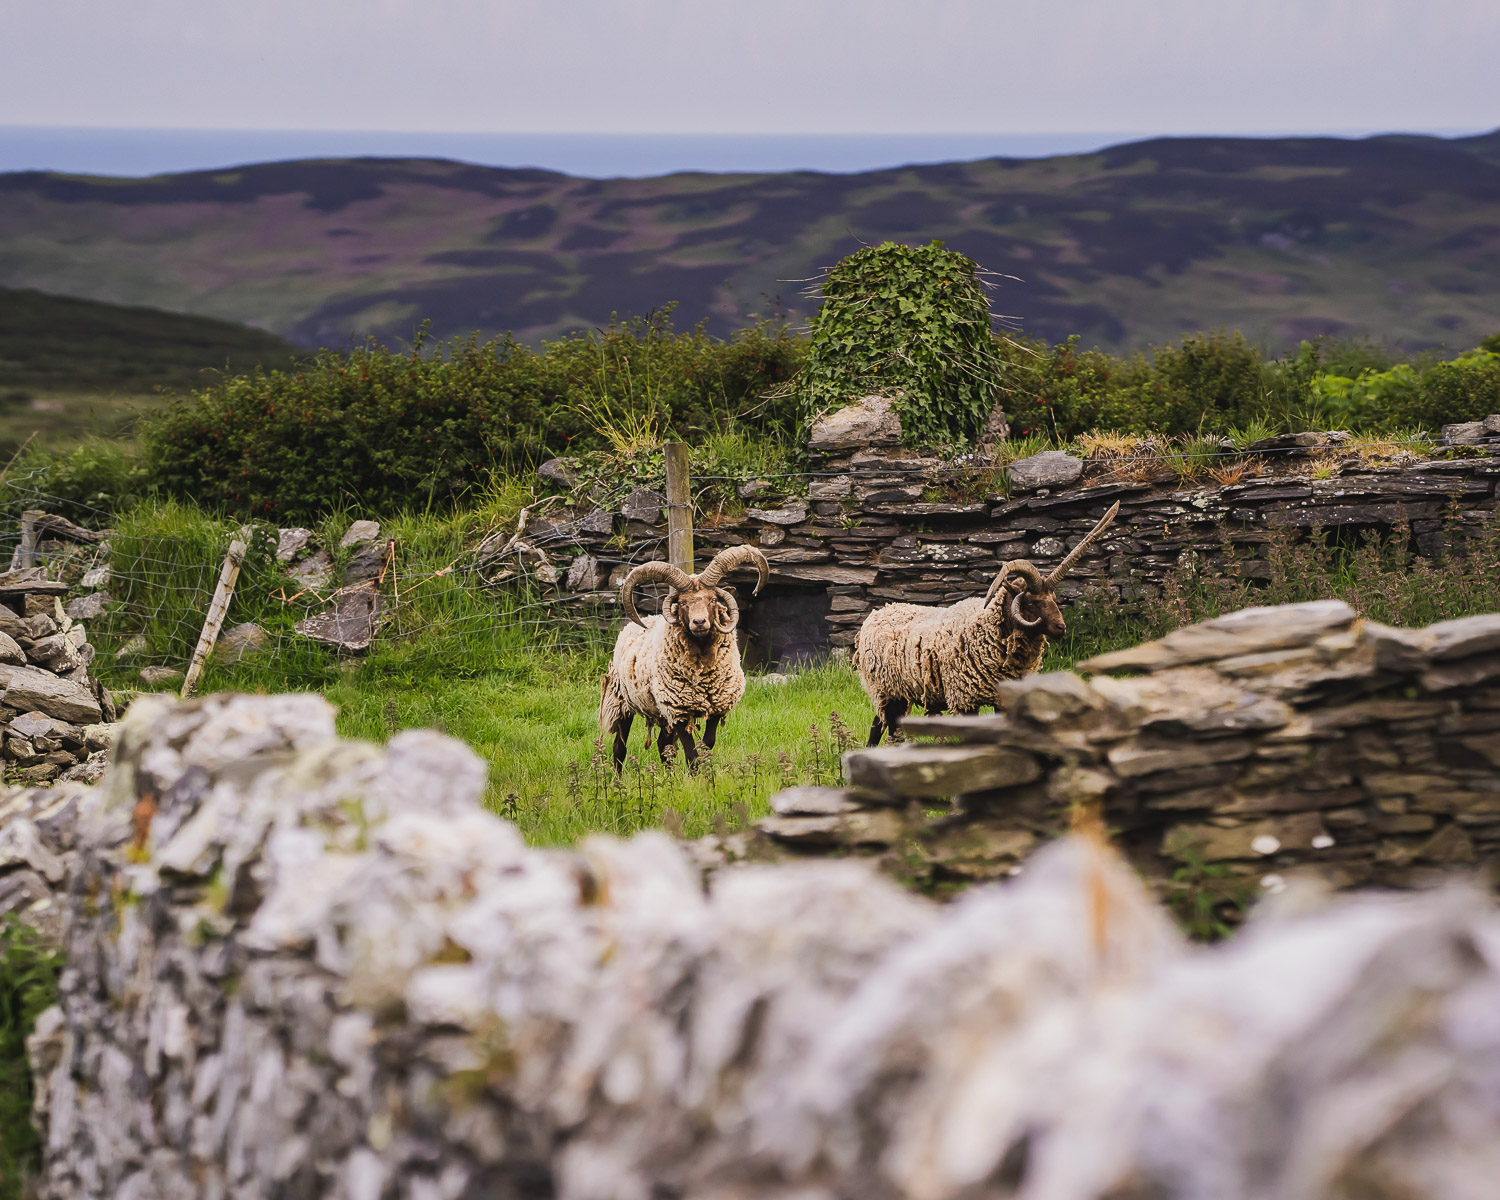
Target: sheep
{"x":683,"y":664}
{"x":955,"y":657}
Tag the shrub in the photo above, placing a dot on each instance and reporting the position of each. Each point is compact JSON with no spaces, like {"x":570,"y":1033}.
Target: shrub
{"x":1208,"y":382}
{"x":913,"y":323}
{"x":382,"y":431}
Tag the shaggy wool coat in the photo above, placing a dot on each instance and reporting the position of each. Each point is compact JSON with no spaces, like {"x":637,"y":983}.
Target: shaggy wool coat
{"x":671,"y":680}
{"x":951,"y":657}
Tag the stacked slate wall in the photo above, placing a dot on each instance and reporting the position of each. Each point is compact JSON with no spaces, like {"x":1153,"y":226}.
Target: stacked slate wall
{"x":1245,"y":751}
{"x":864,"y":536}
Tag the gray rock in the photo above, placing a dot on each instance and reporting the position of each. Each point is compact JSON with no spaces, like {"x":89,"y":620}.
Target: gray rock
{"x":599,"y":523}
{"x":315,"y":571}
{"x":1473,"y":433}
{"x":88,"y":608}
{"x":585,"y":574}
{"x":559,"y":471}
{"x":367,"y":563}
{"x":291,"y":542}
{"x":132,"y":649}
{"x":58,"y":653}
{"x":644,"y":505}
{"x":10,"y":651}
{"x":33,"y":725}
{"x":241,"y":641}
{"x":95,"y":577}
{"x":932,"y":772}
{"x":30,"y":690}
{"x":1049,"y":469}
{"x":160,"y":677}
{"x":359,"y":533}
{"x":752,"y":489}
{"x":813,"y":802}
{"x":350,"y":620}
{"x":793,"y":514}
{"x":774,"y":678}
{"x":771,"y":536}
{"x":618,"y":573}
{"x":870,"y":421}
{"x":996,"y":429}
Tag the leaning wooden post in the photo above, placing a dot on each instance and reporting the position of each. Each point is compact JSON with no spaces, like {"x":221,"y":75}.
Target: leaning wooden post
{"x":679,"y":508}
{"x":216,"y":613}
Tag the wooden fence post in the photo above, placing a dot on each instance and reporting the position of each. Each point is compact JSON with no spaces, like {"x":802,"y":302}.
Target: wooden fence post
{"x":25,"y":555}
{"x":679,"y":508}
{"x":216,"y":613}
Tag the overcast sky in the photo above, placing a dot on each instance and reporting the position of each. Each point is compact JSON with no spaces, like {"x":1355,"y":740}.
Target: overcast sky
{"x":757,"y":66}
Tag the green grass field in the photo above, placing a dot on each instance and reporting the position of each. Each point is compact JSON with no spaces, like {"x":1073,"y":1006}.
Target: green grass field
{"x":538,"y":730}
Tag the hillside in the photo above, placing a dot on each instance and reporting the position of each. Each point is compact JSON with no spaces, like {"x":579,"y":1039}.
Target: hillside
{"x":1397,"y":238}
{"x":70,"y":366}
{"x":52,"y":343}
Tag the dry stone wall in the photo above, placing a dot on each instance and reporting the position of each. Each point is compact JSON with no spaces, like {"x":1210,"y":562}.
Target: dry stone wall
{"x":1263,"y":745}
{"x":870,"y":530}
{"x":302,"y":967}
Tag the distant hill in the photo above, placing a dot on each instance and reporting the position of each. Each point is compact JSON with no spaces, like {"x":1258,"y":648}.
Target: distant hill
{"x":1393,"y":237}
{"x":64,"y":344}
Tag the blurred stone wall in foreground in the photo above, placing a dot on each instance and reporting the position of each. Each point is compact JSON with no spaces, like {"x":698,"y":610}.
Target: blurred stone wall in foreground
{"x":300,"y":966}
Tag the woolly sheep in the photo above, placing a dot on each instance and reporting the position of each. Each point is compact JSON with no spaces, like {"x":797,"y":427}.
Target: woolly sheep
{"x":954,"y":657}
{"x":683,"y":664}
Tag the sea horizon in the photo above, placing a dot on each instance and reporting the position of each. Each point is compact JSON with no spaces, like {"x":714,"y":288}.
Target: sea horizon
{"x":139,"y":152}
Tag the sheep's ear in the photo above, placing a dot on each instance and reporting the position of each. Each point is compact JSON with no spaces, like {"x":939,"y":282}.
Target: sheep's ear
{"x":669,"y":609}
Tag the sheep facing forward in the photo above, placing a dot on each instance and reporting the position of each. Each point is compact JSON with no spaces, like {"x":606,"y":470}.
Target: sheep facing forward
{"x":682,"y":665}
{"x":955,"y":657}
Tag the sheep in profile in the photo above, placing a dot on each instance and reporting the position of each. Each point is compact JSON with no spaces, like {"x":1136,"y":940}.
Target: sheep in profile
{"x":954,"y":657}
{"x":683,"y":664}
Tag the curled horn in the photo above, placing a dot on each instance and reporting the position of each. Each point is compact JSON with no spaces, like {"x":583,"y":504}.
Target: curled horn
{"x":651,"y":572}
{"x":1077,"y":552}
{"x":1019,"y":567}
{"x":1015,"y":613}
{"x":727,"y":598}
{"x":729,"y":559}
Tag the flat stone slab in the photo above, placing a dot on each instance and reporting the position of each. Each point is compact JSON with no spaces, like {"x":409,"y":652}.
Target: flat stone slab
{"x":869,"y":421}
{"x":30,"y":690}
{"x":792,"y":514}
{"x":933,"y":772}
{"x":350,"y":620}
{"x":30,"y":581}
{"x":813,"y":802}
{"x":1049,"y":469}
{"x":1248,"y":631}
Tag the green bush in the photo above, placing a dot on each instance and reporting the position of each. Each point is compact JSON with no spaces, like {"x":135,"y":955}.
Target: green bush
{"x":381,"y":431}
{"x":911,"y":322}
{"x":28,"y":984}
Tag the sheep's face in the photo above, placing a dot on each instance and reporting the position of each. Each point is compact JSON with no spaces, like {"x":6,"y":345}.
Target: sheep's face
{"x":699,"y":612}
{"x":1042,"y":606}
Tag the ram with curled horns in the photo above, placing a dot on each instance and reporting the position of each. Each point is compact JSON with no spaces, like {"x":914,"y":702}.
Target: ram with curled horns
{"x":682,"y":665}
{"x":955,"y":657}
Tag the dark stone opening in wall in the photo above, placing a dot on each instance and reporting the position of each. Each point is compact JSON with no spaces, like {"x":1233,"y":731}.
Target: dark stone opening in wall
{"x":786,"y":626}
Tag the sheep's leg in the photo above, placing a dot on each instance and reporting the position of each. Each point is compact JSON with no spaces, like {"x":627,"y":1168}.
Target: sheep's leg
{"x":622,"y":735}
{"x":664,"y":738}
{"x":711,"y":730}
{"x":935,"y":710}
{"x":890,"y":712}
{"x":689,"y":750}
